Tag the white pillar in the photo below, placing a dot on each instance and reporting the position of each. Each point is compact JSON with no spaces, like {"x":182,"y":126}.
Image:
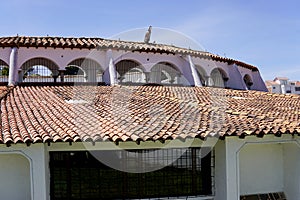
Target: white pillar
{"x":40,"y":171}
{"x":196,"y":78}
{"x":13,"y":71}
{"x":233,"y":146}
{"x":111,"y":69}
{"x":38,"y":158}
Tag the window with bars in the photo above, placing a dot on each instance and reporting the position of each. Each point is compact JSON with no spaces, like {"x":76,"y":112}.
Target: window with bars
{"x":130,"y":72}
{"x":165,"y":73}
{"x":4,"y":71}
{"x":38,"y":70}
{"x":83,"y":70}
{"x":268,"y":196}
{"x":79,"y":175}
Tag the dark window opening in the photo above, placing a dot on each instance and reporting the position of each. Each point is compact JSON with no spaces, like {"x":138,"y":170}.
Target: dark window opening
{"x":79,"y":175}
{"x":269,"y":196}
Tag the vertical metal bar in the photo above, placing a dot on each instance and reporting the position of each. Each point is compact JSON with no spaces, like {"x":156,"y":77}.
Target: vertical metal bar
{"x":69,"y":179}
{"x":206,"y":173}
{"x":194,"y":174}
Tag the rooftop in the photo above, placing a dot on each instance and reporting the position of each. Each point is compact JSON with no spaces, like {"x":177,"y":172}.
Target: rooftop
{"x":91,"y":43}
{"x":31,"y":114}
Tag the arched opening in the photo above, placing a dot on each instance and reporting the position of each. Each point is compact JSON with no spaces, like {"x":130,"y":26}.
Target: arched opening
{"x":219,"y":78}
{"x":4,"y":71}
{"x":202,"y":75}
{"x":39,"y":70}
{"x":165,"y":73}
{"x":83,"y":70}
{"x":129,"y":71}
{"x":248,"y":81}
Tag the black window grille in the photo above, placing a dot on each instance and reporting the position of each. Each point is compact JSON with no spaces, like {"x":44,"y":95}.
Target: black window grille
{"x":219,"y":78}
{"x":4,"y":71}
{"x":79,"y":175}
{"x":165,"y":73}
{"x":83,"y":70}
{"x":268,"y":196}
{"x":129,"y":71}
{"x":39,"y":70}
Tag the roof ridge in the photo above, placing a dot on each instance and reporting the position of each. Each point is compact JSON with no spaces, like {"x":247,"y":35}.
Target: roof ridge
{"x":94,"y":42}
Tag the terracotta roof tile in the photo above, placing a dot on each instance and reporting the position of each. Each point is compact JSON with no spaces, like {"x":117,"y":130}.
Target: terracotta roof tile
{"x":64,"y":42}
{"x":141,"y":113}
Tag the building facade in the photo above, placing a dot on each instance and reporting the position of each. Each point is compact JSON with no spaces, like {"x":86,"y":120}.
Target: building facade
{"x":282,"y":85}
{"x":89,"y":118}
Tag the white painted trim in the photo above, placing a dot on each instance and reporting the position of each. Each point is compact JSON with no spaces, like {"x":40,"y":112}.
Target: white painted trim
{"x":79,"y":146}
{"x":268,"y":139}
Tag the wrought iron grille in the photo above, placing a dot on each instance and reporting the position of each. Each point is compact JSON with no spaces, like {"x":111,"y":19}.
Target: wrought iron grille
{"x":83,"y":70}
{"x":4,"y":71}
{"x":39,"y":70}
{"x":268,"y":196}
{"x":165,"y":74}
{"x":130,"y":72}
{"x":78,"y":175}
{"x":218,"y":78}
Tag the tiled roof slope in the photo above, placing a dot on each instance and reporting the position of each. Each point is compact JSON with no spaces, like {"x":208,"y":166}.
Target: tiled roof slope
{"x":32,"y":114}
{"x":90,"y":43}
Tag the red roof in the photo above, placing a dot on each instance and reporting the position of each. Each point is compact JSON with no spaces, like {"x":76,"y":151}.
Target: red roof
{"x":91,"y":43}
{"x":32,"y":114}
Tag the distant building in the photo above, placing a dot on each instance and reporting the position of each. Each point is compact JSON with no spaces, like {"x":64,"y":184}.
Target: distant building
{"x":282,"y":85}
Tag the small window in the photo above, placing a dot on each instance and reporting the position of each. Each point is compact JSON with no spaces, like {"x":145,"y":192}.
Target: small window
{"x":288,"y":91}
{"x":248,"y":81}
{"x":274,"y":88}
{"x":297,"y":89}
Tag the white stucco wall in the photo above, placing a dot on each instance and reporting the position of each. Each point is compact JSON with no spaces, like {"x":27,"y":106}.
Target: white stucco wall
{"x":4,"y":54}
{"x":24,"y":172}
{"x":62,"y":57}
{"x":291,"y":158}
{"x":261,"y":168}
{"x":220,"y":171}
{"x":15,"y":181}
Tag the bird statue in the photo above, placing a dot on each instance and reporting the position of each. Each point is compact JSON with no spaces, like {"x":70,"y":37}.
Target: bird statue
{"x":148,"y":35}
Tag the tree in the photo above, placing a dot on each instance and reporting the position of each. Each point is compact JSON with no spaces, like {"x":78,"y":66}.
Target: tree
{"x":5,"y":71}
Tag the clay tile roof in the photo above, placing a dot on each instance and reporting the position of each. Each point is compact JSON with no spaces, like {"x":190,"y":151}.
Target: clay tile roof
{"x":271,"y":83}
{"x":89,"y":43}
{"x":281,"y":78}
{"x":32,"y":114}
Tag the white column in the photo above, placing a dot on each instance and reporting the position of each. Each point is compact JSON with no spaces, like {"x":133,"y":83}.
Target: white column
{"x":196,"y":78}
{"x":40,"y":172}
{"x":111,"y":68}
{"x":13,"y":71}
{"x":38,"y":159}
{"x":233,"y":146}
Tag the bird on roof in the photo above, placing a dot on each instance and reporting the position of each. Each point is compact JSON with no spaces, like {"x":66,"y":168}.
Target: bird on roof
{"x":148,"y":35}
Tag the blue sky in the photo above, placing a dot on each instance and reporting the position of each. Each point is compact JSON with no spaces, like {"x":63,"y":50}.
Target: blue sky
{"x":262,"y":33}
